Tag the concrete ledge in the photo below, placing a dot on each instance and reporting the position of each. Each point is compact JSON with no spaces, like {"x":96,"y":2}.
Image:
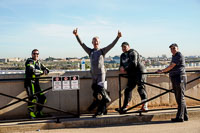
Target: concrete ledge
{"x":88,"y":121}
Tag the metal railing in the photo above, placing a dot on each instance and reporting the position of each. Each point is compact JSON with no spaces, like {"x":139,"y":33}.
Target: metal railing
{"x":25,"y":99}
{"x":150,"y":99}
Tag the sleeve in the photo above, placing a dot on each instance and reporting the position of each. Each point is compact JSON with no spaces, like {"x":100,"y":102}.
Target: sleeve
{"x":176,"y":59}
{"x":43,"y":67}
{"x":87,"y":50}
{"x":29,"y":67}
{"x":132,"y":60}
{"x":106,"y":49}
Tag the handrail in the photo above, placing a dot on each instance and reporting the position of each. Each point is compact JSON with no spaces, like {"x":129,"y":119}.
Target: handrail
{"x":166,"y":91}
{"x":83,"y":77}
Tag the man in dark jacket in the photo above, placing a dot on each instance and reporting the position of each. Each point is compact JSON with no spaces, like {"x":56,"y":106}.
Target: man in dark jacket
{"x":131,"y":64}
{"x":33,"y":70}
{"x":98,"y":72}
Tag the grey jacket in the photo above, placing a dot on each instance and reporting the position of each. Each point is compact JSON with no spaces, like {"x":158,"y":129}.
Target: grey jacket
{"x":97,"y":56}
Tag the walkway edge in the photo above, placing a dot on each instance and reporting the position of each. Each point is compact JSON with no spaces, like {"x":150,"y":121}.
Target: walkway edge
{"x":91,"y":122}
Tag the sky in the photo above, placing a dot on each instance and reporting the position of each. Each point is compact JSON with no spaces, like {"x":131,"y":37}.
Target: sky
{"x":149,"y":26}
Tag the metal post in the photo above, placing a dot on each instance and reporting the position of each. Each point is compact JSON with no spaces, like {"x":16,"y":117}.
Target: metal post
{"x":78,"y":103}
{"x":120,"y":106}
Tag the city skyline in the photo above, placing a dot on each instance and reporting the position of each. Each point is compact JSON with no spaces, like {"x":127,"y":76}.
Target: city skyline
{"x":149,"y":26}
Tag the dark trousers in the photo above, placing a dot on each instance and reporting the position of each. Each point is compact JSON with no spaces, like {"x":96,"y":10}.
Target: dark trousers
{"x":134,"y":80}
{"x":179,"y":86}
{"x":100,"y":104}
{"x":32,"y":87}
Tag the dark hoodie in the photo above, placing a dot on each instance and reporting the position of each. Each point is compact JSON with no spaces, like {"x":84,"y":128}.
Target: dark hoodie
{"x":132,"y":63}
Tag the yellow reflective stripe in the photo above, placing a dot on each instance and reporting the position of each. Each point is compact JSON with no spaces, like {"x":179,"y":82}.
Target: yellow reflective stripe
{"x":31,"y":65}
{"x":34,"y":100}
{"x":32,"y":114}
{"x":45,"y":101}
{"x":33,"y":88}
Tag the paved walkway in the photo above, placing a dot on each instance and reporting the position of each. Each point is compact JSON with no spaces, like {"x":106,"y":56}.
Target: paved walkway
{"x":113,"y":122}
{"x":191,"y":126}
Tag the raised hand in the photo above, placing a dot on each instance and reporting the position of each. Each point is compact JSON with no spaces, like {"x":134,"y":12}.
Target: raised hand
{"x":119,"y":34}
{"x":75,"y":32}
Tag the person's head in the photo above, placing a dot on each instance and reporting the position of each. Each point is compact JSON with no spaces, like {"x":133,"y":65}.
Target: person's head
{"x":95,"y":42}
{"x":174,"y":48}
{"x":125,"y":47}
{"x":35,"y":54}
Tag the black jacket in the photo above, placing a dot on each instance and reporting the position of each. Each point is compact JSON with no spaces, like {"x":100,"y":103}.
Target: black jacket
{"x":132,"y":63}
{"x":34,"y":68}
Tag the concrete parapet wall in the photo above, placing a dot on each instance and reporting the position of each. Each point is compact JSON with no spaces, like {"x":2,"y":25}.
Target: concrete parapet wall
{"x":67,"y":100}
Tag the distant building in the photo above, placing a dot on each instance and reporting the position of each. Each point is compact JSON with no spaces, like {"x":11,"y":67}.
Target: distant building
{"x":54,"y":59}
{"x":108,"y":59}
{"x":4,"y":60}
{"x":16,"y":59}
{"x":73,"y":59}
{"x":116,"y":59}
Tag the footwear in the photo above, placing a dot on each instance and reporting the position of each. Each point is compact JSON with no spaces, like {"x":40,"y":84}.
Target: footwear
{"x":144,"y":109}
{"x":122,"y":110}
{"x":40,"y":114}
{"x":177,"y":120}
{"x":144,"y":106}
{"x":186,"y":119}
{"x":105,"y":112}
{"x":32,"y":115}
{"x":97,"y":114}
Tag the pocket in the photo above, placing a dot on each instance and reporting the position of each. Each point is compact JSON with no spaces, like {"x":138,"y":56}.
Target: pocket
{"x":183,"y":78}
{"x":176,"y":79}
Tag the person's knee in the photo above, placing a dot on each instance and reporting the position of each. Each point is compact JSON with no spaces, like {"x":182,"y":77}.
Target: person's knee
{"x":103,"y":93}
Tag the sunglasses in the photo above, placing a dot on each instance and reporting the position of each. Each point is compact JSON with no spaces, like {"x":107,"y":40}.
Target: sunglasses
{"x":35,"y":53}
{"x":173,"y":48}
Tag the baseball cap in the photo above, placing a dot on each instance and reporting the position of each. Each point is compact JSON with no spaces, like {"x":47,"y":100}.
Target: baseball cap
{"x":173,"y":45}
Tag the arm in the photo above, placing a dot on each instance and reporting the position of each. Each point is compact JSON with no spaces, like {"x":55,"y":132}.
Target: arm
{"x":121,"y":67}
{"x":44,"y":69}
{"x":30,"y":68}
{"x":122,"y":70}
{"x":167,"y":69}
{"x":175,"y":61}
{"x":106,"y":49}
{"x":132,"y":60}
{"x":87,"y":50}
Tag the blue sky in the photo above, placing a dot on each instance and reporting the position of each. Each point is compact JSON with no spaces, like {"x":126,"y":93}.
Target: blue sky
{"x":149,"y":26}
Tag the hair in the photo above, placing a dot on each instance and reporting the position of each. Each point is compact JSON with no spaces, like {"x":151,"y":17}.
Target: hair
{"x":173,"y":45}
{"x":95,"y":37}
{"x":34,"y":50}
{"x":125,"y":43}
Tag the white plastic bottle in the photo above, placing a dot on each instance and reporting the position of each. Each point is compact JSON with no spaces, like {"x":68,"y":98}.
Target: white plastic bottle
{"x":83,"y":64}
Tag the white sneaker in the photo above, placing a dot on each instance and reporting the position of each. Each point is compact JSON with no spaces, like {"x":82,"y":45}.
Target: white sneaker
{"x":144,"y":106}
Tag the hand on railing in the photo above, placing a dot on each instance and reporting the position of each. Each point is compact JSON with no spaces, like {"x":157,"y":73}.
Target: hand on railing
{"x":122,"y":70}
